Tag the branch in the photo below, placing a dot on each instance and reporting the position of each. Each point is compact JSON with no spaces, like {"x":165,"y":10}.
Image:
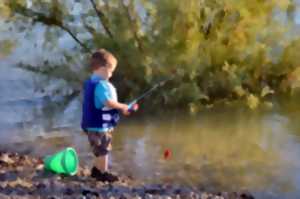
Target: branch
{"x":50,"y":21}
{"x":103,"y":19}
{"x":75,"y":38}
{"x":55,"y":71}
{"x":133,"y":27}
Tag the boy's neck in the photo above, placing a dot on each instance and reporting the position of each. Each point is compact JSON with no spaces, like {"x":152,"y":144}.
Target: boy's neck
{"x":99,"y":75}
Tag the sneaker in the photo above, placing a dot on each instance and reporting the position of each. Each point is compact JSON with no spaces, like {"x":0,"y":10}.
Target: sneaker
{"x":103,"y":176}
{"x":110,"y":177}
{"x":95,"y":172}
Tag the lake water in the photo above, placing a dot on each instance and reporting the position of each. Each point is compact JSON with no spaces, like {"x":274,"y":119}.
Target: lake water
{"x":217,"y":149}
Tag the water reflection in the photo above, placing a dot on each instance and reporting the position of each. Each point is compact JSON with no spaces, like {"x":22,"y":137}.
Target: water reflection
{"x":229,"y":150}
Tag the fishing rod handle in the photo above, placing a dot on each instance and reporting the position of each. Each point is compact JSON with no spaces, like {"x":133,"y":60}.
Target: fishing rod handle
{"x":130,"y":106}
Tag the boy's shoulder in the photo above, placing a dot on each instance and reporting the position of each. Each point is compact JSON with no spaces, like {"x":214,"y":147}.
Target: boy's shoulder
{"x":105,"y":84}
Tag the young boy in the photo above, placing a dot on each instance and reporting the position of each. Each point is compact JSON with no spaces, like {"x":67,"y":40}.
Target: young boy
{"x":101,"y":111}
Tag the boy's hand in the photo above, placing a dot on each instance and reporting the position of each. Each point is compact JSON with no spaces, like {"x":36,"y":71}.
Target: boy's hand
{"x":134,"y":107}
{"x":129,"y":109}
{"x":125,"y":110}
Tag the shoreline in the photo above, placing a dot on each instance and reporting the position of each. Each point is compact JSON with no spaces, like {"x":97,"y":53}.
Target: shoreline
{"x":23,"y":176}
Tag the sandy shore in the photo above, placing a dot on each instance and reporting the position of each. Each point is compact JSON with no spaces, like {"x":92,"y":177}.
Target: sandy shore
{"x":23,"y":176}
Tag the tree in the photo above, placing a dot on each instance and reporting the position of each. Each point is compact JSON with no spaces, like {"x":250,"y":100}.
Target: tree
{"x":219,"y":49}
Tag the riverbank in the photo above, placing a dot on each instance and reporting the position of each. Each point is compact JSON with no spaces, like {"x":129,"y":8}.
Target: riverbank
{"x":23,"y":176}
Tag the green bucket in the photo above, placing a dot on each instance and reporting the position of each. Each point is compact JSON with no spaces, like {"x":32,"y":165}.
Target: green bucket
{"x":62,"y":162}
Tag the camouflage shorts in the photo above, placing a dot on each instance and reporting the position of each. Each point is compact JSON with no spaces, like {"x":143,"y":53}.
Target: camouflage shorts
{"x":100,"y":143}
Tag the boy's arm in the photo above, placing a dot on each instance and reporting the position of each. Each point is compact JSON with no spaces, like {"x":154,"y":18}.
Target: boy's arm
{"x":117,"y":105}
{"x":103,"y":95}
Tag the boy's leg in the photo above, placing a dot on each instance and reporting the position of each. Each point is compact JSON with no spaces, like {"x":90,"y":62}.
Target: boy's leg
{"x":101,"y":145}
{"x":101,"y":163}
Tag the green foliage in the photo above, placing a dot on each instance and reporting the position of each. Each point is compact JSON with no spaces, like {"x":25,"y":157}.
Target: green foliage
{"x":221,"y":49}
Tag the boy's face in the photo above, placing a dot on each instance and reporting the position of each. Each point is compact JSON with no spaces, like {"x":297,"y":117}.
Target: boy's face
{"x":107,"y":71}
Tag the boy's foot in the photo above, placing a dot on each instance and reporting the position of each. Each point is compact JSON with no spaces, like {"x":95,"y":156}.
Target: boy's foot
{"x":103,"y":176}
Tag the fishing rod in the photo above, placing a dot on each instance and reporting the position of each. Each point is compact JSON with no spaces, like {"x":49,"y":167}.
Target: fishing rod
{"x":148,"y":92}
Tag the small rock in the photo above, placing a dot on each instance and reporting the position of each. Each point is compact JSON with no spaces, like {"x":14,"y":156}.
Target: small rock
{"x":52,"y":197}
{"x":39,"y":167}
{"x":126,"y":195}
{"x":2,"y":196}
{"x":233,"y":195}
{"x":68,"y":191}
{"x":40,"y":186}
{"x":85,"y":171}
{"x":177,"y":191}
{"x":8,"y":176}
{"x":89,"y":192}
{"x":204,"y":196}
{"x":219,"y":197}
{"x":178,"y":196}
{"x":246,"y":196}
{"x":225,"y":195}
{"x":149,"y":196}
{"x":154,"y":189}
{"x":19,"y":168}
{"x":5,"y":158}
{"x":20,"y":182}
